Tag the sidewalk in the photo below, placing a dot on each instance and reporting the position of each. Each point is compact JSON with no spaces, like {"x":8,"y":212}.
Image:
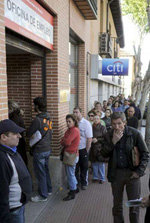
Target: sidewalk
{"x":93,"y":205}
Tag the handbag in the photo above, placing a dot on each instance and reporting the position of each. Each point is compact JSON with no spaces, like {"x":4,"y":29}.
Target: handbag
{"x":69,"y":158}
{"x":36,"y":137}
{"x":135,"y":156}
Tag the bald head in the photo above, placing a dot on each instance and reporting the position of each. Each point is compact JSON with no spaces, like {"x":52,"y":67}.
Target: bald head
{"x":130,"y":111}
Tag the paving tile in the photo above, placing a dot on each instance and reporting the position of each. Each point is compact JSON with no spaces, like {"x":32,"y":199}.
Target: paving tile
{"x":93,"y":205}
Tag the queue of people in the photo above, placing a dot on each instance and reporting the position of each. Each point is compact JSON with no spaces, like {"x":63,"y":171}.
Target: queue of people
{"x":109,"y":136}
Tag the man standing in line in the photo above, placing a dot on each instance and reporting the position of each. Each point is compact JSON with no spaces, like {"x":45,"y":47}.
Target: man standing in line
{"x":15,"y":180}
{"x":132,"y":121}
{"x":42,"y":149}
{"x":84,"y":146}
{"x":119,"y":145}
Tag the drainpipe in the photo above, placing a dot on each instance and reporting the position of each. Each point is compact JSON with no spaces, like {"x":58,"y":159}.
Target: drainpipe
{"x":87,"y":79}
{"x":108,"y":5}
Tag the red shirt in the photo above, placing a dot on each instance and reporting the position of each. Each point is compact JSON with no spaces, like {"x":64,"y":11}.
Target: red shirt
{"x":71,"y":140}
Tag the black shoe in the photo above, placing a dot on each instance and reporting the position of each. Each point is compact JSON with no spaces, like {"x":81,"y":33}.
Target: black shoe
{"x":70,"y":196}
{"x":83,"y":187}
{"x":94,"y":181}
{"x":77,"y":190}
{"x":101,"y":182}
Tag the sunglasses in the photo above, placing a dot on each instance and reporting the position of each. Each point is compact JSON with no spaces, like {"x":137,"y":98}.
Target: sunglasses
{"x":91,"y":115}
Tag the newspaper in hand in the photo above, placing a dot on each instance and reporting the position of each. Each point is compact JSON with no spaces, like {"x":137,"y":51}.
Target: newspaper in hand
{"x":134,"y":203}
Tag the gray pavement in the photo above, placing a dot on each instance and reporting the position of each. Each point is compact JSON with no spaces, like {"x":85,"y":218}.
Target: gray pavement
{"x":93,"y":205}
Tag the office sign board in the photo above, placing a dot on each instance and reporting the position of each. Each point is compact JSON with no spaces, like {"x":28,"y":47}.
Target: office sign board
{"x":115,"y":67}
{"x":30,"y":19}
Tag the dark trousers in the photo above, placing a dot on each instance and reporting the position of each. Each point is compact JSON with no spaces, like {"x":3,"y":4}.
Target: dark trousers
{"x":82,"y":167}
{"x":133,"y":189}
{"x":147,"y":216}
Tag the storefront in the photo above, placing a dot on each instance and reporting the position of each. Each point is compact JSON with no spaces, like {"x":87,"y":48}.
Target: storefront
{"x":29,"y":33}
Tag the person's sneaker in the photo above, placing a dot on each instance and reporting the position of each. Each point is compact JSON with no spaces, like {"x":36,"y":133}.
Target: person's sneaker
{"x":38,"y":198}
{"x":49,"y":193}
{"x":83,"y":187}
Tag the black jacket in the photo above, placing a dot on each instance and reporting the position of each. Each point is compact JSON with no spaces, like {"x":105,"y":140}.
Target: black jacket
{"x":133,"y":138}
{"x":98,"y":132}
{"x":42,"y":123}
{"x":21,"y":148}
{"x":132,"y":122}
{"x":6,"y":173}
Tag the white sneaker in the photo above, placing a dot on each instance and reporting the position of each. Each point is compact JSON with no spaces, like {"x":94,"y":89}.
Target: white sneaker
{"x":38,"y":198}
{"x":50,"y":193}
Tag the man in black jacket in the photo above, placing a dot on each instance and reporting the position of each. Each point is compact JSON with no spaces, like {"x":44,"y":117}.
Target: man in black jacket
{"x":42,"y":149}
{"x":120,"y":145}
{"x":15,"y":181}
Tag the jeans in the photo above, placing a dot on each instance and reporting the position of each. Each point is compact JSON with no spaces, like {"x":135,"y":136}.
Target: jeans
{"x":133,"y":189}
{"x":70,"y":172}
{"x":40,"y":163}
{"x":17,"y":216}
{"x":82,"y":167}
{"x":98,"y":171}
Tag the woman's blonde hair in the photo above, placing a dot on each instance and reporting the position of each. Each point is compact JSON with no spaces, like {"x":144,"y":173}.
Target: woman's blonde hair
{"x":13,"y":106}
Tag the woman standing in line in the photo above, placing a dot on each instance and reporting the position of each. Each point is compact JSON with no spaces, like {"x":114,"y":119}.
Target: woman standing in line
{"x":115,"y":107}
{"x":98,"y":164}
{"x":16,"y":115}
{"x":70,"y":142}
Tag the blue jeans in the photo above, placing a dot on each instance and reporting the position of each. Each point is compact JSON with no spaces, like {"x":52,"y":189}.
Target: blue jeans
{"x":70,"y":171}
{"x":17,"y":216}
{"x":40,"y":163}
{"x":98,"y":171}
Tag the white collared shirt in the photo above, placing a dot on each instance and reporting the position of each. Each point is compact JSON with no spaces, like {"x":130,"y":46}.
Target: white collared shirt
{"x":85,"y":132}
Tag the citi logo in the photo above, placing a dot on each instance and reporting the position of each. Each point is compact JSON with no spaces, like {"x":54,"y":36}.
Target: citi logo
{"x":116,"y":67}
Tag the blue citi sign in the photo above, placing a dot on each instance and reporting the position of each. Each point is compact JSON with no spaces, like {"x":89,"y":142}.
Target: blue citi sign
{"x":115,"y":67}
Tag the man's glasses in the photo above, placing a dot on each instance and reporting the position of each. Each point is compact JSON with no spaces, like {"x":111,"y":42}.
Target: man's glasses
{"x":91,"y":115}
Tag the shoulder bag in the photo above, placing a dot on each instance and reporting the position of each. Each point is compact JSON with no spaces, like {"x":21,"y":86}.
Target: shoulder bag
{"x":135,"y":156}
{"x":69,"y":158}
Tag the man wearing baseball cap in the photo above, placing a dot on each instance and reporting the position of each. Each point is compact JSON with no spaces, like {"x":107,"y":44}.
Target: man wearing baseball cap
{"x":15,"y":180}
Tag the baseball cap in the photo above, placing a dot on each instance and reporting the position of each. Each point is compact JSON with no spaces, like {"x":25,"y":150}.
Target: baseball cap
{"x":8,"y":125}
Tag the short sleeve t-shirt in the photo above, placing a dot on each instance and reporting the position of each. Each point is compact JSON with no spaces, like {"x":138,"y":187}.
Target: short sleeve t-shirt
{"x":85,"y":132}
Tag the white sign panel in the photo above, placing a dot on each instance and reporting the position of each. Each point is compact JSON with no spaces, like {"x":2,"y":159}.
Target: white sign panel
{"x":28,"y":18}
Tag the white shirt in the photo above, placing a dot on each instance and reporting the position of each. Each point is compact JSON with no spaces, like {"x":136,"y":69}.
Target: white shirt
{"x":85,"y":132}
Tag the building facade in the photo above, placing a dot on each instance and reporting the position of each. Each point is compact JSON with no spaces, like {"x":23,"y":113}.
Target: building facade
{"x":45,"y":50}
